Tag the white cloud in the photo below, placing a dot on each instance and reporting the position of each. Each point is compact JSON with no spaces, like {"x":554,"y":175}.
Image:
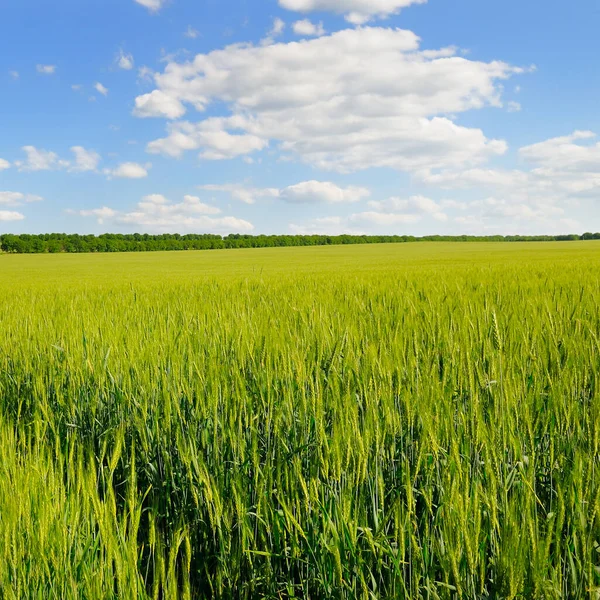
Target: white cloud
{"x":306,"y":192}
{"x":125,"y":61}
{"x":247,"y":195}
{"x":191,"y":33}
{"x":158,"y":104}
{"x":45,"y":160}
{"x":9,"y":215}
{"x":562,"y":168}
{"x":563,"y":173}
{"x":322,"y":192}
{"x":414,"y":206}
{"x":4,"y":164}
{"x":449,"y":179}
{"x":495,"y":208}
{"x":46,"y":69}
{"x":277,"y":28}
{"x":152,"y":5}
{"x":194,"y":204}
{"x":85,"y":160}
{"x":514,"y":107}
{"x":565,"y":154}
{"x":14,"y":74}
{"x":101,"y":214}
{"x":341,"y":111}
{"x":41,"y":160}
{"x":128,"y":170}
{"x":145,"y":75}
{"x":211,"y":136}
{"x":157,"y":213}
{"x":334,"y":225}
{"x":17,"y":198}
{"x":384,"y":219}
{"x":307,"y":28}
{"x":101,"y":89}
{"x":357,"y":12}
{"x":76,"y":87}
{"x":399,"y":211}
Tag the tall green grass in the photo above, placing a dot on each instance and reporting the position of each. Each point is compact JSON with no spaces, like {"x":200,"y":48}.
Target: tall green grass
{"x":364,"y":422}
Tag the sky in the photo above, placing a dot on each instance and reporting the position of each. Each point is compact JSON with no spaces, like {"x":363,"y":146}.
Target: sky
{"x":408,"y":117}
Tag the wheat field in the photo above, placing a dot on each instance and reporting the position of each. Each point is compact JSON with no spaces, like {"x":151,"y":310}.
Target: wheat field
{"x":386,"y":421}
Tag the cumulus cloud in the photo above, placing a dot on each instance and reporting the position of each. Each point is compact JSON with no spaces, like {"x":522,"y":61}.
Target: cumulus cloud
{"x":100,"y":214}
{"x":277,"y":28}
{"x":238,"y":191}
{"x":10,"y":215}
{"x":322,"y":192}
{"x":394,"y":216}
{"x":125,"y":61}
{"x":17,"y":198}
{"x":45,"y":160}
{"x":561,"y":168}
{"x":4,"y":164}
{"x":558,"y":174}
{"x":413,"y":207}
{"x":217,"y":138}
{"x":307,"y":28}
{"x":156,"y":213}
{"x":341,"y":111}
{"x":128,"y":170}
{"x":191,"y":33}
{"x":334,"y":225}
{"x":101,"y":89}
{"x":85,"y":160}
{"x":397,"y":211}
{"x":384,"y":219}
{"x":507,"y":216}
{"x":41,"y":160}
{"x":152,"y":5}
{"x":158,"y":104}
{"x":565,"y":153}
{"x":357,"y":12}
{"x":306,"y":192}
{"x":46,"y":69}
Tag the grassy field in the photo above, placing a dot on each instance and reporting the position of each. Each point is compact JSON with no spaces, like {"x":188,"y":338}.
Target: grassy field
{"x":393,"y":421}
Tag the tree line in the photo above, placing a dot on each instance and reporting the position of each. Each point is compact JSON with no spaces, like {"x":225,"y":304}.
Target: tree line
{"x":143,"y":242}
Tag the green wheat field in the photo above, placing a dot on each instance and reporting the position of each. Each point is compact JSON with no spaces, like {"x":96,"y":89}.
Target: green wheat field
{"x":388,"y":421}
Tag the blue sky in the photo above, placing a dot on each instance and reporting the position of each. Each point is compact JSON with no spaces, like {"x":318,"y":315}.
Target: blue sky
{"x":299,"y":116}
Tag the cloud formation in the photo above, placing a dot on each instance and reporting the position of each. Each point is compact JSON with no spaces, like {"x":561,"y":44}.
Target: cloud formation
{"x":101,"y":89}
{"x":152,"y":5}
{"x":46,"y":69}
{"x":41,"y":160}
{"x":306,"y":192}
{"x":128,"y":170}
{"x":45,"y":160}
{"x":307,"y":28}
{"x":340,"y":112}
{"x":125,"y":61}
{"x":357,"y":12}
{"x":11,"y":215}
{"x":17,"y":198}
{"x":156,"y":213}
{"x":85,"y":160}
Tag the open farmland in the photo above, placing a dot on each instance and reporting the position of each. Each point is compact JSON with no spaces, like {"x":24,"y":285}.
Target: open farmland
{"x":386,"y":421}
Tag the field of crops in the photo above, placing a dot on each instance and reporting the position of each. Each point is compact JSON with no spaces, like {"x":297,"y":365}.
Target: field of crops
{"x":386,"y":421}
